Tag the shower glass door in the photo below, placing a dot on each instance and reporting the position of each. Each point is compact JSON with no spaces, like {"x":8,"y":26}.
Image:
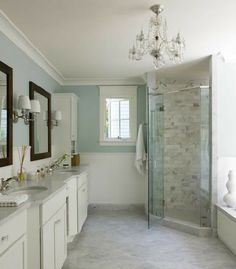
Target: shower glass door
{"x":156,"y":158}
{"x":186,"y":156}
{"x":179,"y":156}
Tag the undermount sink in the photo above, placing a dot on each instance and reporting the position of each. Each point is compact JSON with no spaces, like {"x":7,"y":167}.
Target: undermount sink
{"x":67,"y":171}
{"x":31,"y":190}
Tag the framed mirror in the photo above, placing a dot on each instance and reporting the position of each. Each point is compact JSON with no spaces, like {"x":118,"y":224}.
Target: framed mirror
{"x":40,"y":126}
{"x":5,"y":114}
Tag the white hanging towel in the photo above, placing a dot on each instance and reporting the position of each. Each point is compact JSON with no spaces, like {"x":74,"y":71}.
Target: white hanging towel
{"x":12,"y":200}
{"x":140,"y":159}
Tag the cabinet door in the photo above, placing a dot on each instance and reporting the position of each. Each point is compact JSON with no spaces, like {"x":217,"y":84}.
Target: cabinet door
{"x":80,"y":209}
{"x":54,"y":241}
{"x":85,"y":202}
{"x":47,"y":245}
{"x":60,"y":238}
{"x":82,"y":205}
{"x":61,"y":133}
{"x":73,"y":119}
{"x":15,"y":256}
{"x":72,"y":207}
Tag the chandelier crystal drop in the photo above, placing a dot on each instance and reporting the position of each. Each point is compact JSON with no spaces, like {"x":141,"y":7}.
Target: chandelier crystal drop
{"x":156,"y":43}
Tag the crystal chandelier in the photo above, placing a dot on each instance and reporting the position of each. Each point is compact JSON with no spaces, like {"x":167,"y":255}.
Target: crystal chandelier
{"x":156,"y":43}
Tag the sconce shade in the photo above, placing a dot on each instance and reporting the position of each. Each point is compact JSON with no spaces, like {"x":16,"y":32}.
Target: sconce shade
{"x":24,"y":102}
{"x":35,"y":106}
{"x":57,"y":115}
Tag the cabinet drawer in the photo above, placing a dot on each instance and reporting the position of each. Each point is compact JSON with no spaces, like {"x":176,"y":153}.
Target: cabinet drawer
{"x":12,"y":230}
{"x":16,"y":255}
{"x":82,"y":179}
{"x":49,"y":208}
{"x":71,"y":184}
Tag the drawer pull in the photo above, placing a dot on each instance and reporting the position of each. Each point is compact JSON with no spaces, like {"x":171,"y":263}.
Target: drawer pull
{"x":4,"y":238}
{"x":58,"y":221}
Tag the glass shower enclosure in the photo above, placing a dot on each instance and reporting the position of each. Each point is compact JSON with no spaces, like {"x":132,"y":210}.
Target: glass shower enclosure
{"x":179,"y":156}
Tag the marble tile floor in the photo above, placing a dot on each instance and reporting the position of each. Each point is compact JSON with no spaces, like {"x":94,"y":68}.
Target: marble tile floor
{"x":121,"y":240}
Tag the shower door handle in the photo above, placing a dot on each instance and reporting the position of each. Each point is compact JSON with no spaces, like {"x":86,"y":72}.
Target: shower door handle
{"x":153,"y":162}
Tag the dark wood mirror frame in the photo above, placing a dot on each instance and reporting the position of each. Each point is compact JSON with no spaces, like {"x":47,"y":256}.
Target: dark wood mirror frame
{"x":8,"y":71}
{"x":37,"y":156}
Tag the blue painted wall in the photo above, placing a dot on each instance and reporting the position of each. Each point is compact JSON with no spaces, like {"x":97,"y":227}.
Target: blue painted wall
{"x":88,"y":118}
{"x":24,"y":70}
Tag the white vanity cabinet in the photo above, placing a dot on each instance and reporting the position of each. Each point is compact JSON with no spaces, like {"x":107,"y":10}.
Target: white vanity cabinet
{"x":13,"y":248}
{"x":73,"y":119}
{"x":36,"y":237}
{"x":77,"y":204}
{"x":66,"y":131}
{"x":54,"y":232}
{"x":72,"y":229}
{"x":82,"y":198}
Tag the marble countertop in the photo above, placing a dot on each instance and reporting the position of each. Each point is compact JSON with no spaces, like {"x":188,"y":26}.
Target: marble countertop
{"x":53,"y":182}
{"x":231,"y":212}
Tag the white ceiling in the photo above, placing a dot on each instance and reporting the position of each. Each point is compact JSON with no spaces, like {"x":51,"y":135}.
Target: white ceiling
{"x":197,"y":70}
{"x":90,"y":38}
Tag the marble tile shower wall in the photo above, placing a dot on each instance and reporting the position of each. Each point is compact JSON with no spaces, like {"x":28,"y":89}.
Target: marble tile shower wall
{"x":182,"y":155}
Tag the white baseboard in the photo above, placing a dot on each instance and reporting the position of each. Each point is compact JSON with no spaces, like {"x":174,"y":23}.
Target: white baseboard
{"x":116,"y":207}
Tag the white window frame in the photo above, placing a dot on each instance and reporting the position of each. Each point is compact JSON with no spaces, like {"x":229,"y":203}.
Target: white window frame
{"x":126,"y":92}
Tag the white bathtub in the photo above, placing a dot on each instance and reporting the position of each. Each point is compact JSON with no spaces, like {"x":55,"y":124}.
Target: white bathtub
{"x":226,"y":226}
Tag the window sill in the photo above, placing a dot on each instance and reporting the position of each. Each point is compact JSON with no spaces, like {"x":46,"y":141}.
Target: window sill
{"x":117,"y":143}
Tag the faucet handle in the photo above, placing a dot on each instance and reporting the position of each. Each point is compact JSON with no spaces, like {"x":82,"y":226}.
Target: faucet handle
{"x":1,"y":184}
{"x":1,"y":181}
{"x":12,"y":178}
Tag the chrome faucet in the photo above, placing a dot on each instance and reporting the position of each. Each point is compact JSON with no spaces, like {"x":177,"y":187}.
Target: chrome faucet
{"x":55,"y":164}
{"x":5,"y":183}
{"x":51,"y":167}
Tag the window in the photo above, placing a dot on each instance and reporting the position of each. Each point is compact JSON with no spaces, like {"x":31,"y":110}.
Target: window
{"x":118,"y":115}
{"x":117,"y":118}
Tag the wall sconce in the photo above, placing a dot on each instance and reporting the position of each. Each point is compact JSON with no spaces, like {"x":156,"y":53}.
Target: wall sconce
{"x":27,"y":107}
{"x":56,"y":118}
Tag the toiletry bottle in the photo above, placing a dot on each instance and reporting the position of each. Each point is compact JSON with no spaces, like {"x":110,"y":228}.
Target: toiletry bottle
{"x":42,"y":173}
{"x":38,"y":174}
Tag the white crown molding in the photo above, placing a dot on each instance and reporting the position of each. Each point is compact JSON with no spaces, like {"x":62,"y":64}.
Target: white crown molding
{"x":104,"y":81}
{"x":12,"y":32}
{"x":226,"y":57}
{"x":144,"y":78}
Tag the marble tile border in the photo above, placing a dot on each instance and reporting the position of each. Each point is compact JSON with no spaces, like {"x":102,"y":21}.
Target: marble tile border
{"x":182,"y":226}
